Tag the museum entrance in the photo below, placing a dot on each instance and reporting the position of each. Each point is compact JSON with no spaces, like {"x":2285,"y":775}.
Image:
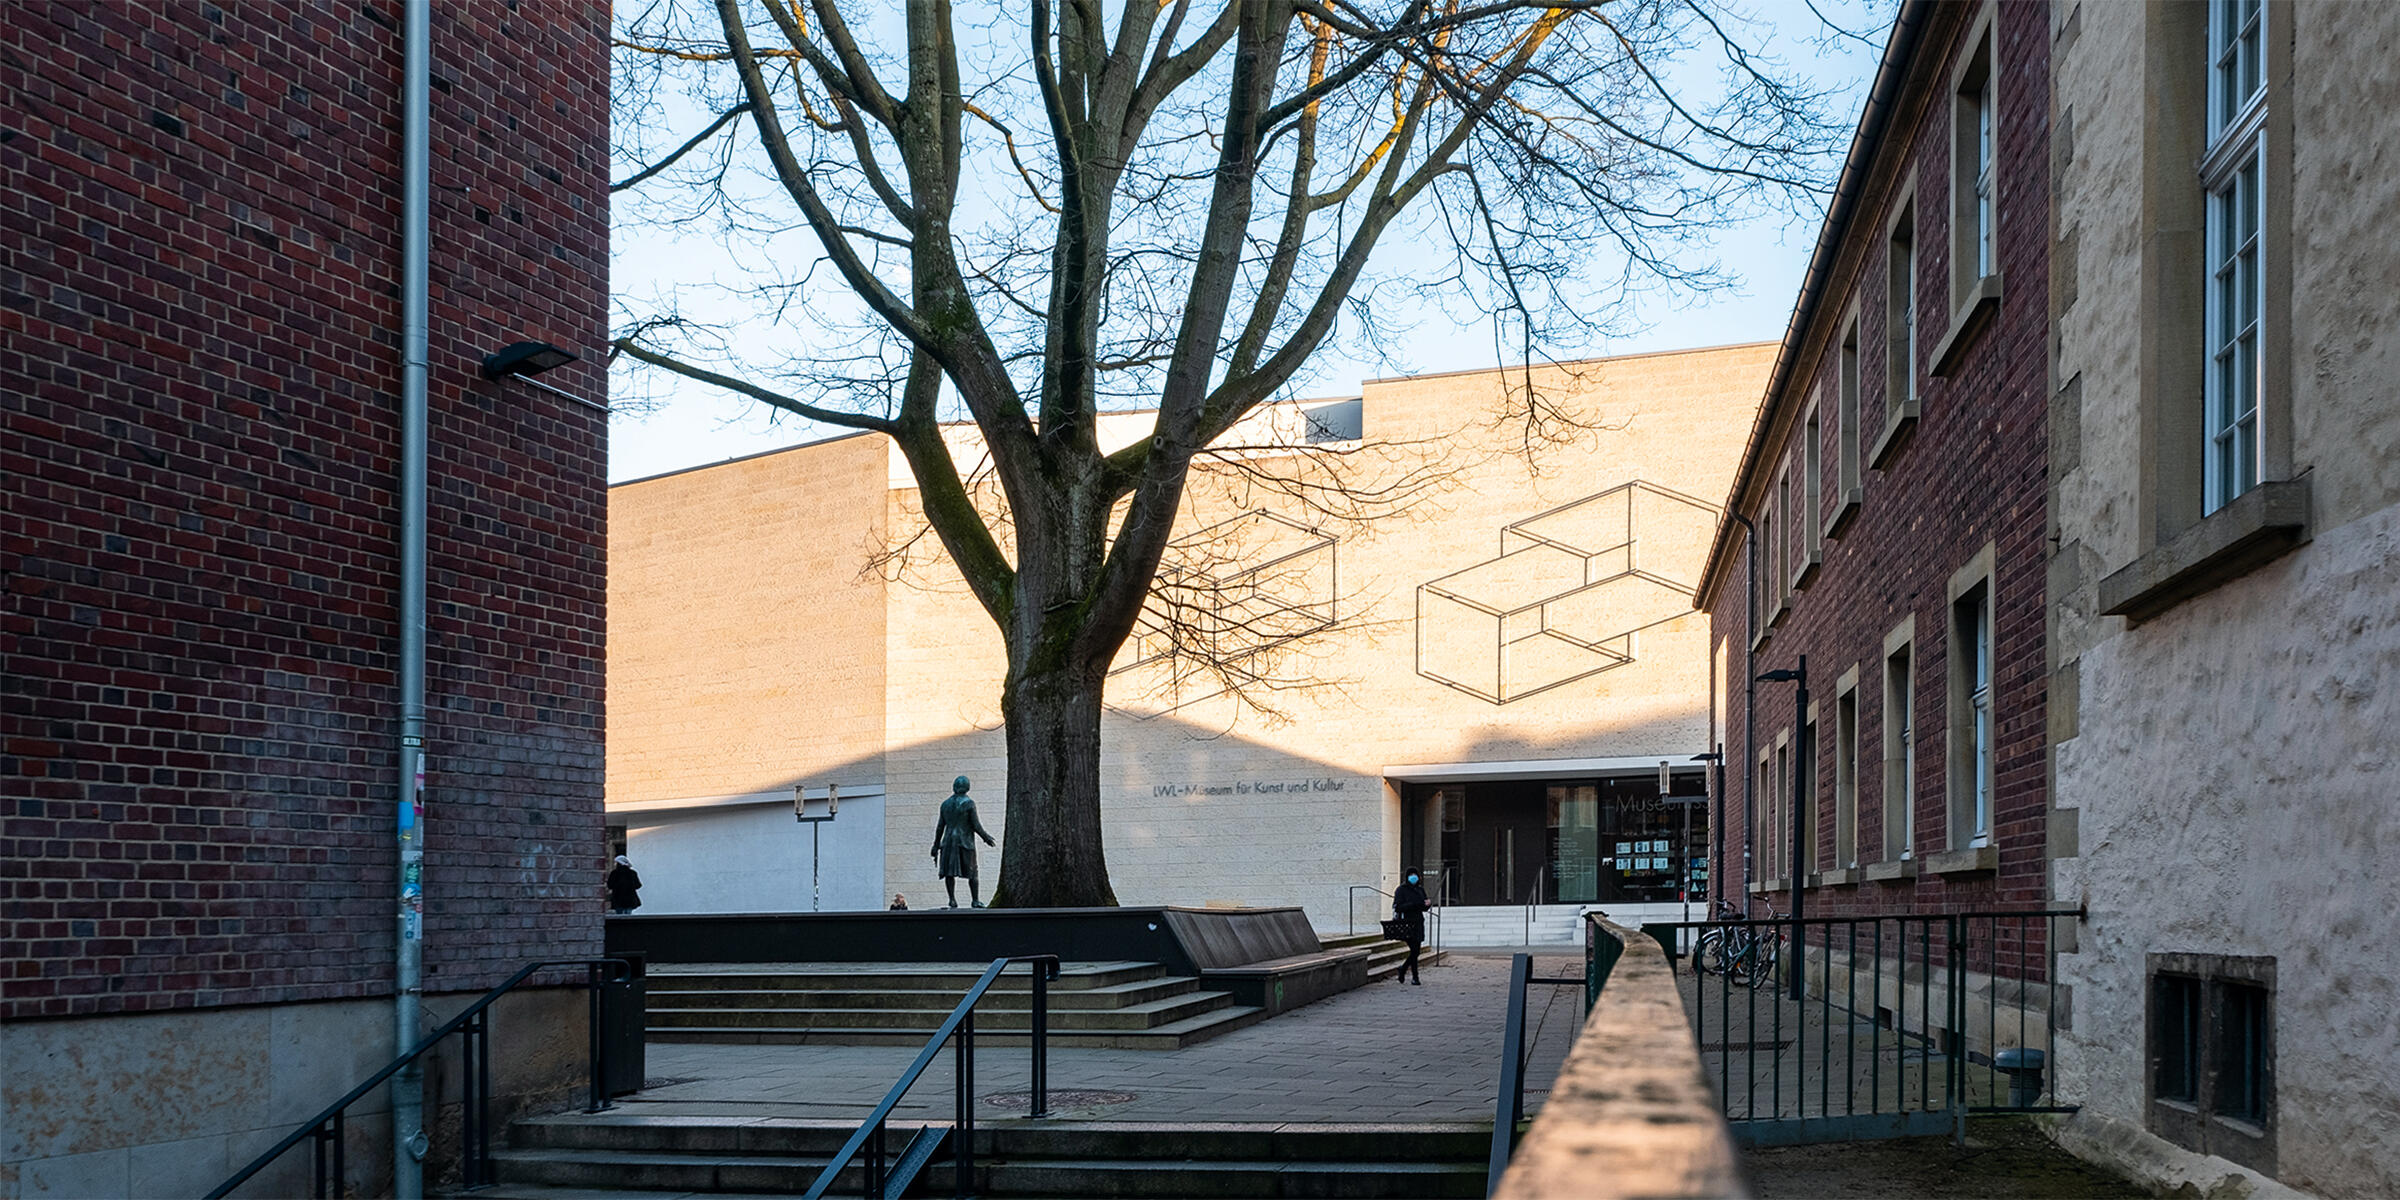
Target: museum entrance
{"x":1610,"y":840}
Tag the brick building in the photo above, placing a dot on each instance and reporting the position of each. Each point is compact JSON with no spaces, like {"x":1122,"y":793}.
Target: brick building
{"x":200,"y":281}
{"x":1892,"y":499}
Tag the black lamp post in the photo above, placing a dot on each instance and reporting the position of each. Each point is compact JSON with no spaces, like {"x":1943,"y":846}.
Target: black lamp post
{"x":1800,"y":772}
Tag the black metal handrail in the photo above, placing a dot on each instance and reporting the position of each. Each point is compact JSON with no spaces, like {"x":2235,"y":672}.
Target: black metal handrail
{"x":961,"y":1022}
{"x":328,"y":1126}
{"x":1508,"y":1107}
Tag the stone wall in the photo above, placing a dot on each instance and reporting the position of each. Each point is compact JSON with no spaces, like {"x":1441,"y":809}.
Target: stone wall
{"x":2229,"y":759}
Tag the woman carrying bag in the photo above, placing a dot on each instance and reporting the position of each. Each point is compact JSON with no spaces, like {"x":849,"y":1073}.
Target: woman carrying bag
{"x":1408,"y":925}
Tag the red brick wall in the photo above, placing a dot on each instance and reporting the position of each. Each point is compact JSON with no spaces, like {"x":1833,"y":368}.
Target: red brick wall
{"x":199,"y":292}
{"x":1972,"y":472}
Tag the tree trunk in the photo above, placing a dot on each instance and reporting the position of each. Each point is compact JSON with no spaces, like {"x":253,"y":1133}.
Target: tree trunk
{"x":1054,"y":858}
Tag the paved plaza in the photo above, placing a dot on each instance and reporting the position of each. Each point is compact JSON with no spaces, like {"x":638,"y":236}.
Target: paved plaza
{"x":1384,"y":1052}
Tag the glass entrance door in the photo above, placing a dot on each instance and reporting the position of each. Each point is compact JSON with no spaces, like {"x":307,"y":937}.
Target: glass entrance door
{"x":1504,"y":855}
{"x":1586,"y":841}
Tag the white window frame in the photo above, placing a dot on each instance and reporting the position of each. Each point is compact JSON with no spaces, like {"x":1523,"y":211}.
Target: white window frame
{"x":1979,"y":707}
{"x":1845,"y":771}
{"x":1900,"y":741}
{"x":1986,"y":141}
{"x":1972,"y":731}
{"x":2232,"y":179}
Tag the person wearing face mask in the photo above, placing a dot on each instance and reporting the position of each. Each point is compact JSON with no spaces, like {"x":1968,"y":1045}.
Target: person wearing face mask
{"x":1408,"y":909}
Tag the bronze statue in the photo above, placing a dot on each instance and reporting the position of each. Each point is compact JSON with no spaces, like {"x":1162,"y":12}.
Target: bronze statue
{"x":954,"y":834}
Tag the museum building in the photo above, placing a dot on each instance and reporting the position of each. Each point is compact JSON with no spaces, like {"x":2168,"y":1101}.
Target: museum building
{"x":1481,"y":662}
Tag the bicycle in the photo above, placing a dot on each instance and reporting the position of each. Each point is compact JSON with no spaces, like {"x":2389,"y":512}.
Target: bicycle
{"x":1741,"y":953}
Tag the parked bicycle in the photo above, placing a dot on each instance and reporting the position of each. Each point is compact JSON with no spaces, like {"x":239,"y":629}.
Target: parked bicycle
{"x":1745,"y":954}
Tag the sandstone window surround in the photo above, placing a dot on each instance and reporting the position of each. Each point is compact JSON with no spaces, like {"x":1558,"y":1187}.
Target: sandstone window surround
{"x":2211,"y":1034}
{"x":1972,"y":725}
{"x":1845,"y":779}
{"x":1771,"y":850}
{"x":1899,"y":753}
{"x":1847,"y":492}
{"x":1808,"y":811}
{"x":1782,"y":809}
{"x":2217,"y":493}
{"x":1975,"y":98}
{"x":1762,"y":802}
{"x":1807,"y":525}
{"x":1768,"y":594}
{"x":1901,"y":405}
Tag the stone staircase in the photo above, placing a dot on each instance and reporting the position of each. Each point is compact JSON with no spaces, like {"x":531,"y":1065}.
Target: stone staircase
{"x":615,"y":1152}
{"x":1384,"y":955}
{"x":1107,"y":1005}
{"x":1505,"y":925}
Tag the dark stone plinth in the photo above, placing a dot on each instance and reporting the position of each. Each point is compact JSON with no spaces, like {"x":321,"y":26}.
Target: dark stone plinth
{"x":1186,"y":940}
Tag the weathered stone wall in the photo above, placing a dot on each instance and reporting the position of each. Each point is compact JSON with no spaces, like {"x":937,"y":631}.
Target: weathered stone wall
{"x":2229,"y":764}
{"x":1631,"y":1113}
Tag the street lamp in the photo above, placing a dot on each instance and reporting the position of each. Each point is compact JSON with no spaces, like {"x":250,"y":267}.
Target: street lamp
{"x":522,"y":361}
{"x":1801,"y":763}
{"x":814,"y":811}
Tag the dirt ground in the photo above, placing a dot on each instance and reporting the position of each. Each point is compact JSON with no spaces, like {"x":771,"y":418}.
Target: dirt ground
{"x":2004,"y":1159}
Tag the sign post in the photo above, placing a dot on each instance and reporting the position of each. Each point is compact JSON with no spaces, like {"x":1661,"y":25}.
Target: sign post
{"x":813,"y":811}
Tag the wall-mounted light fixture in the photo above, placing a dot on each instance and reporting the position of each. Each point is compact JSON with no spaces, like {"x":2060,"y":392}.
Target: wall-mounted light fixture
{"x":524,"y":360}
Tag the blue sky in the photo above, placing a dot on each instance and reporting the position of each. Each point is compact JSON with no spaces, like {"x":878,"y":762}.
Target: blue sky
{"x":680,"y":426}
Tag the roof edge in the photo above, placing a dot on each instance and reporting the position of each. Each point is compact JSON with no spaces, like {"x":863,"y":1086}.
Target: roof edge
{"x":1866,"y":144}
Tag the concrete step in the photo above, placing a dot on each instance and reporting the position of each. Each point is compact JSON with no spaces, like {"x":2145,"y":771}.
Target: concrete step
{"x":667,"y":1172}
{"x":1384,"y":955}
{"x":1173,"y":1035}
{"x":637,"y":1155}
{"x":1432,"y":1141}
{"x":1235,"y":1178}
{"x":1117,"y":995}
{"x":953,"y":977}
{"x":1147,"y":1015}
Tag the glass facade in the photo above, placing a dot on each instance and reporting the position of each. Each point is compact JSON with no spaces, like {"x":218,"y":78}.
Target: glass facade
{"x":1601,"y":841}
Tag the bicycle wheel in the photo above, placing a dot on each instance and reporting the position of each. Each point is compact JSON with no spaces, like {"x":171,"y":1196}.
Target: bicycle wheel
{"x":1709,"y":954}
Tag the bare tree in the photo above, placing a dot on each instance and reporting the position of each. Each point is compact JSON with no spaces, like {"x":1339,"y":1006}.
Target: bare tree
{"x":1033,"y":215}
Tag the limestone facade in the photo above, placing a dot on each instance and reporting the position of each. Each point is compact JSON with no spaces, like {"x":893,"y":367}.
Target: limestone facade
{"x":779,"y":621}
{"x":2224,"y":658}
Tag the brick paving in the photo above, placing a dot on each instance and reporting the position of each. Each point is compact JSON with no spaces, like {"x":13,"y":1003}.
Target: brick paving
{"x":1384,"y":1052}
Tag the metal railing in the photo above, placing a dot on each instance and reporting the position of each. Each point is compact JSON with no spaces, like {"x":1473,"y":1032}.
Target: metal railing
{"x":1508,"y":1106}
{"x":886,"y":1177}
{"x":1906,"y":1023}
{"x":1433,"y":916}
{"x":328,"y":1129}
{"x":1541,"y":877}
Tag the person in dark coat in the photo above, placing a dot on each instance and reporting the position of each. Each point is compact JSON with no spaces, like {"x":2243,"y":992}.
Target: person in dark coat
{"x":624,"y":887}
{"x":1408,"y":908}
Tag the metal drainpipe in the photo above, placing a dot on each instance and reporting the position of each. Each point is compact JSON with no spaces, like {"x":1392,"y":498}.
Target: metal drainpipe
{"x":408,"y":1094}
{"x":1749,"y":708}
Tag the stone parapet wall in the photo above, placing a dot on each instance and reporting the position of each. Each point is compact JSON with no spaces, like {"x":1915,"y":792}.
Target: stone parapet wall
{"x":1631,"y":1113}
